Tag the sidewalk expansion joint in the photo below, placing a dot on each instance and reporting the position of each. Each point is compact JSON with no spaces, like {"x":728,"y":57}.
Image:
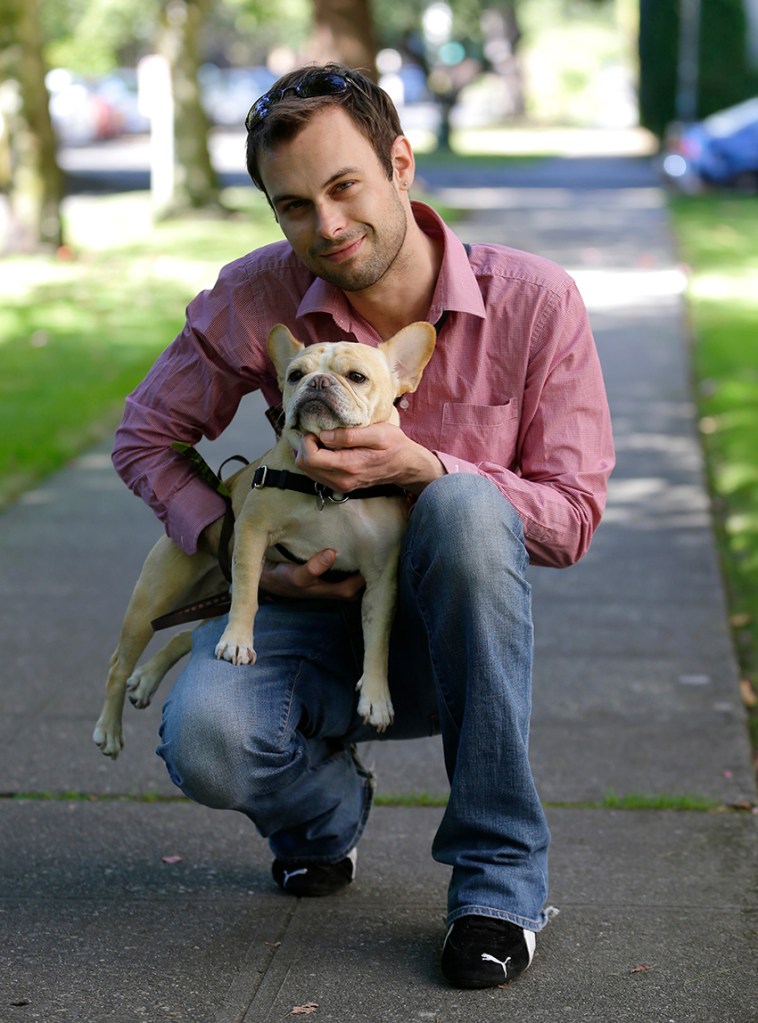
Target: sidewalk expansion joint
{"x":242,"y":992}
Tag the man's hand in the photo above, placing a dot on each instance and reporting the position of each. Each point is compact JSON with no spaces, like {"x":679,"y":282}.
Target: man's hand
{"x":284,"y":579}
{"x":363,"y":456}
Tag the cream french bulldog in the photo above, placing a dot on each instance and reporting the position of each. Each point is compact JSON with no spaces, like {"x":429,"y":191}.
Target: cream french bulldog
{"x":324,"y":386}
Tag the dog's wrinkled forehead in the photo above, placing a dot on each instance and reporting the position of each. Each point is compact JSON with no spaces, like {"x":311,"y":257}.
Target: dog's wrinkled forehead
{"x":341,"y":359}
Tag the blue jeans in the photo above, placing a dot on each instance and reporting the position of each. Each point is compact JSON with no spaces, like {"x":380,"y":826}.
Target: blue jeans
{"x":275,"y":740}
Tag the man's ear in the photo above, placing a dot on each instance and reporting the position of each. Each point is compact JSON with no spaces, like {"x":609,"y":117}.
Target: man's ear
{"x":403,"y":162}
{"x":408,"y":353}
{"x":282,"y":348}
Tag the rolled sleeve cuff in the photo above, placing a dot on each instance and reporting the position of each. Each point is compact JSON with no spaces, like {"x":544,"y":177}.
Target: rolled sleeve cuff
{"x":192,"y":508}
{"x":453,"y":464}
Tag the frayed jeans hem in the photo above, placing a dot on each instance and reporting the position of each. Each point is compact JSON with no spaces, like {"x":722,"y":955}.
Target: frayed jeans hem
{"x":495,"y":914}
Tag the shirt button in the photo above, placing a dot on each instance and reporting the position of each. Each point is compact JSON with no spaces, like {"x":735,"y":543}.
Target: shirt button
{"x":405,"y":403}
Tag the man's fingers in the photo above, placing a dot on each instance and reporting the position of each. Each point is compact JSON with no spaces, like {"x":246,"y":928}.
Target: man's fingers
{"x":320,"y":563}
{"x":284,"y":579}
{"x":374,"y":436}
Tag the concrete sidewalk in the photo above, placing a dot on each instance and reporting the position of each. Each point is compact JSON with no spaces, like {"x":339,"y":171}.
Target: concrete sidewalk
{"x":635,"y":693}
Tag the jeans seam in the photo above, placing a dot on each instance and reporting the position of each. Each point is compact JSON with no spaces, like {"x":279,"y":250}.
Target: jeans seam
{"x":432,"y":660}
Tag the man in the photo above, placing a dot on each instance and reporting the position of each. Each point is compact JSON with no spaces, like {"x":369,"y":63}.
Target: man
{"x":505,"y":448}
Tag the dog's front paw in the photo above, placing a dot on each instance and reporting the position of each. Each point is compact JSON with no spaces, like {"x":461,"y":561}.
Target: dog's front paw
{"x":374,"y":709}
{"x":234,"y":650}
{"x":108,"y":738}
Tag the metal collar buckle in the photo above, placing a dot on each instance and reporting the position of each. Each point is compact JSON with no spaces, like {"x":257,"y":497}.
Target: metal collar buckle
{"x":324,"y":494}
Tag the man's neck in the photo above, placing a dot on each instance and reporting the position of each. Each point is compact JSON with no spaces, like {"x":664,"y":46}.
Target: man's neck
{"x":404,"y":294}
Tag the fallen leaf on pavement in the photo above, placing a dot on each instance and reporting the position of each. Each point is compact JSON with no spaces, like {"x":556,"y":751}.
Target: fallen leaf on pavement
{"x":304,"y":1010}
{"x":641,"y":969}
{"x":171,"y":859}
{"x":749,"y":697}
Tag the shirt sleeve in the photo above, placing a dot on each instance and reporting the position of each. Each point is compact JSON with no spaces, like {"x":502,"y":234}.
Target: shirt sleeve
{"x":558,"y":482}
{"x":191,"y":392}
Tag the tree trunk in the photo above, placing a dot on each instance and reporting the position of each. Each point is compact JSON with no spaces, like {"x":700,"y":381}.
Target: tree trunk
{"x":501,"y":30}
{"x":180,"y":28}
{"x":344,"y":31}
{"x":36,"y":182}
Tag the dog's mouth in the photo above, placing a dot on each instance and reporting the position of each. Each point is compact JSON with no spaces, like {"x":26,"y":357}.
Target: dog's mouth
{"x":312,"y":414}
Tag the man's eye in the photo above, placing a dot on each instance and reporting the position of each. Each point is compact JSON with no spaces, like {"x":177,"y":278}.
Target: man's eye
{"x":294,"y":376}
{"x":356,"y":377}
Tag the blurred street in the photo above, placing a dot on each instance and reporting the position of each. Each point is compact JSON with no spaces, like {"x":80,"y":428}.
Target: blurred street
{"x":123,"y":164}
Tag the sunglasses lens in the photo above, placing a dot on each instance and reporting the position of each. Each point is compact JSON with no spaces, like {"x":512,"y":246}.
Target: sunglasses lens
{"x":258,"y":110}
{"x":322,"y":84}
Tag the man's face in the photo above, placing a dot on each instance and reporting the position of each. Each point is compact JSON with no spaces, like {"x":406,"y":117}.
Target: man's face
{"x":338,"y":210}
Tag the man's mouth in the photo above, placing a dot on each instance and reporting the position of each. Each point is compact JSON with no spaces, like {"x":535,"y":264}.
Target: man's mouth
{"x":343,"y":252}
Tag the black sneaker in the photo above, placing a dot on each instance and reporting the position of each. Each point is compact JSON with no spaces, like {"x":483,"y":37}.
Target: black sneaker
{"x":315,"y":879}
{"x":481,"y":951}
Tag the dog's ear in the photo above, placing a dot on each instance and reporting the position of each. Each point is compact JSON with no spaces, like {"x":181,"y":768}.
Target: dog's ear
{"x":282,"y":348}
{"x":408,"y":353}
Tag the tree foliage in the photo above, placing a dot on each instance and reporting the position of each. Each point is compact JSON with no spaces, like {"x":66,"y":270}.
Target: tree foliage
{"x":724,"y":76}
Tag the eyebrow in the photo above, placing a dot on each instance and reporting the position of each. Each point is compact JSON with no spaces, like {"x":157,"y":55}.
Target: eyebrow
{"x":343,"y":172}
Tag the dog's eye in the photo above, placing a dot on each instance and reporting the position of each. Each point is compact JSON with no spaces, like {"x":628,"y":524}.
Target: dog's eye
{"x":294,"y":376}
{"x":356,"y":377}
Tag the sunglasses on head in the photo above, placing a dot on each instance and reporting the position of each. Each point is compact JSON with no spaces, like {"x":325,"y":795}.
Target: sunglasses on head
{"x":316,"y":83}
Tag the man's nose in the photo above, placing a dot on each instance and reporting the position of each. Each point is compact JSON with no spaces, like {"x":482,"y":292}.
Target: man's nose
{"x":331,"y":221}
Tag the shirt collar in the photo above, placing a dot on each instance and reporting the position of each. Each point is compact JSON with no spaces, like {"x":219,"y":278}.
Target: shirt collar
{"x":457,"y":289}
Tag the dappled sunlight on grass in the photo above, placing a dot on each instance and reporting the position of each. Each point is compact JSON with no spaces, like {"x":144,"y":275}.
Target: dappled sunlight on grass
{"x":80,"y":330}
{"x":738,"y":287}
{"x":719,"y":240}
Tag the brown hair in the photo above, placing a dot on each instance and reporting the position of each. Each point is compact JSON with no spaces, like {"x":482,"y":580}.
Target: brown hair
{"x":369,"y":107}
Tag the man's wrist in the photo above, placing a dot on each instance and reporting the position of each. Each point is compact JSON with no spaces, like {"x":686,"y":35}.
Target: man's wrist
{"x":428,"y":469}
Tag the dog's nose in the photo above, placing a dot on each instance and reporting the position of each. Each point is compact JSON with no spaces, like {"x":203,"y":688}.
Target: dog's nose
{"x":320,"y":381}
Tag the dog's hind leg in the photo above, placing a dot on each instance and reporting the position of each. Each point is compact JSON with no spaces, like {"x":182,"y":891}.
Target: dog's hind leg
{"x":144,"y":680}
{"x":135,"y":635}
{"x":167,"y":577}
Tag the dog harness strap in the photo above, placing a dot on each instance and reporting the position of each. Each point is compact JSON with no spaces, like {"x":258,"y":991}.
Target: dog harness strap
{"x":283,"y":479}
{"x":215,"y":481}
{"x":227,"y":531}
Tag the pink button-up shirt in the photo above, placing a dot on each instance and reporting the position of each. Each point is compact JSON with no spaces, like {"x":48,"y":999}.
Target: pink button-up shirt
{"x":513,"y":391}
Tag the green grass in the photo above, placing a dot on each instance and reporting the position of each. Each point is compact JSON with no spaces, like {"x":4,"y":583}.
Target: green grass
{"x":657,"y":801}
{"x":718,"y":238}
{"x":653,"y":802}
{"x":78,"y":332}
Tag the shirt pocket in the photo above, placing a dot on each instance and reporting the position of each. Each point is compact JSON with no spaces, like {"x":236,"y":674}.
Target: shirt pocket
{"x":481,"y":433}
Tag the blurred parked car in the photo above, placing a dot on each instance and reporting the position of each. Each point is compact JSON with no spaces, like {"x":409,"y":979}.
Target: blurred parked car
{"x":119,"y":90}
{"x":79,"y":113}
{"x":720,"y":150}
{"x":228,"y":93}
